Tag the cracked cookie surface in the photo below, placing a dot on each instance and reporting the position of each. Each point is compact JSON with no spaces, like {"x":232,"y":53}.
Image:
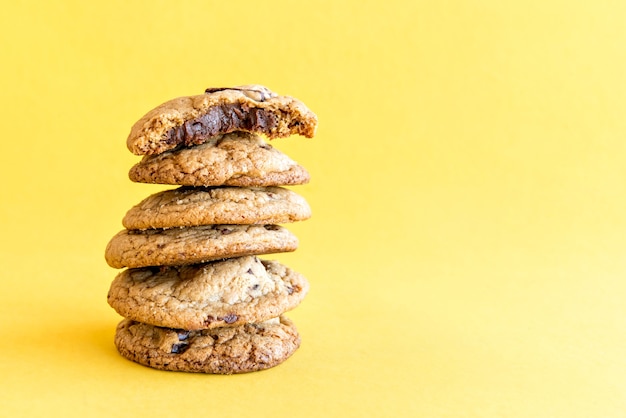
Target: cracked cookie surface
{"x":237,"y":159}
{"x":197,"y":244}
{"x":201,"y":296}
{"x":192,"y":206}
{"x":226,"y":350}
{"x":192,"y":120}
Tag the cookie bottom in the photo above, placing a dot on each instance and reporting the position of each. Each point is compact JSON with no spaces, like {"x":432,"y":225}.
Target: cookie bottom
{"x":227,"y":350}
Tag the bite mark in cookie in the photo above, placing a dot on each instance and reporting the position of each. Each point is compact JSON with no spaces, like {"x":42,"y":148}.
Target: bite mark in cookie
{"x":189,"y":121}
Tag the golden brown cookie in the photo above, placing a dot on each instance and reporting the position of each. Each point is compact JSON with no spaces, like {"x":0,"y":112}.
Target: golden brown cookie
{"x":193,"y":206}
{"x":192,"y":120}
{"x":201,"y":296}
{"x":236,"y":159}
{"x":226,"y":350}
{"x":197,"y":244}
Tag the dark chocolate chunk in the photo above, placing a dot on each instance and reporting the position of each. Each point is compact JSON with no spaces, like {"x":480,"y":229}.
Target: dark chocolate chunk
{"x":179,"y":348}
{"x":216,"y":89}
{"x":230,"y":318}
{"x":255,"y":94}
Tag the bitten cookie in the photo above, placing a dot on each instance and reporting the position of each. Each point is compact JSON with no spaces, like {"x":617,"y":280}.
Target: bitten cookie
{"x":192,"y":206}
{"x":189,"y":121}
{"x":236,"y":159}
{"x":198,"y":244}
{"x":201,"y":296}
{"x":226,"y":350}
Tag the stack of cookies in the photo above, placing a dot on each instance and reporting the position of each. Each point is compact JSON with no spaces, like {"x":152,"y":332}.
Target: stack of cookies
{"x":194,"y":295}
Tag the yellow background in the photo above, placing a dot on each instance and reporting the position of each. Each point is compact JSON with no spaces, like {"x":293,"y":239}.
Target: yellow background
{"x":466,"y":253}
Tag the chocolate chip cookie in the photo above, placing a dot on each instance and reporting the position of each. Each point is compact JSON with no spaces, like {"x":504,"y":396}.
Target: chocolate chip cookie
{"x":226,"y":350}
{"x":192,"y":120}
{"x":193,"y":206}
{"x":197,"y":244}
{"x":236,"y":159}
{"x":201,"y":296}
{"x":194,"y":295}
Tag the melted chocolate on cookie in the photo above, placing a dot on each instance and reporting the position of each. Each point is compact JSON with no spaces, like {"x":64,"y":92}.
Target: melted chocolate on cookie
{"x":222,"y":119}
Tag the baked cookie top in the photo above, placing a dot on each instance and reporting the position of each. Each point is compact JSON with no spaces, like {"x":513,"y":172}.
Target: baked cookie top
{"x":200,"y":296}
{"x":236,"y":159}
{"x":192,"y":206}
{"x":226,"y":350}
{"x":192,"y":120}
{"x":196,"y":244}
